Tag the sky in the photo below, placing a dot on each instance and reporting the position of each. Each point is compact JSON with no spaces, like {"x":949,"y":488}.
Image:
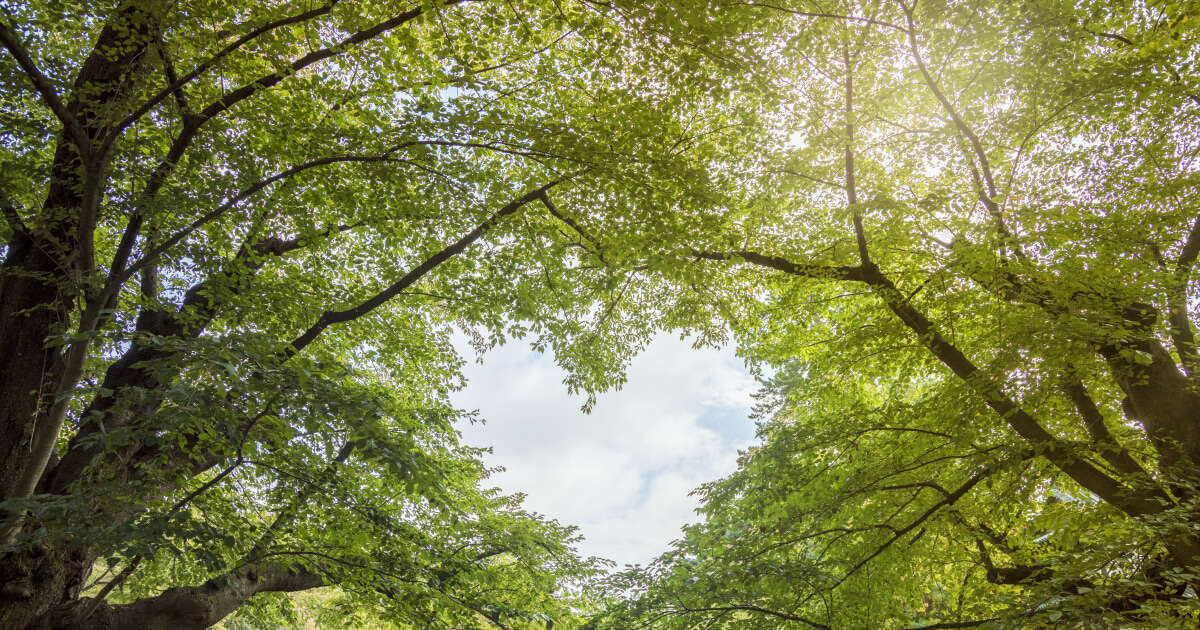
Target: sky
{"x":621,"y":473}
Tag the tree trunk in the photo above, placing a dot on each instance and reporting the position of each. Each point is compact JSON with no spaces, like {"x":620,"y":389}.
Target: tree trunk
{"x":37,"y":582}
{"x":41,"y":281}
{"x":30,"y":310}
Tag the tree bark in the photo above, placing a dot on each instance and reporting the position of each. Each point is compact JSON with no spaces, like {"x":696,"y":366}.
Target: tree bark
{"x":48,"y":269}
{"x":187,"y":607}
{"x":39,"y":580}
{"x":31,"y":309}
{"x":55,"y":605}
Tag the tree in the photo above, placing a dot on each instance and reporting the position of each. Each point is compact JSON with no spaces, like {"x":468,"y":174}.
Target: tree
{"x":966,"y":244}
{"x":236,"y":239}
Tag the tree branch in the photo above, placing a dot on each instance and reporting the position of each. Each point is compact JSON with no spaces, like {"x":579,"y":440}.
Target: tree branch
{"x":851,"y":190}
{"x":191,"y":318}
{"x":948,"y":500}
{"x":289,"y":512}
{"x":153,"y":253}
{"x":176,"y":85}
{"x":1194,"y":98}
{"x":956,"y":624}
{"x":499,"y":148}
{"x":158,"y":177}
{"x":1109,"y":448}
{"x":269,"y":80}
{"x":173,"y":78}
{"x":1028,"y":428}
{"x":200,"y":607}
{"x":817,"y":272}
{"x":72,"y":125}
{"x":987,"y":193}
{"x":120,"y":578}
{"x":1084,"y":473}
{"x":757,"y":609}
{"x":13,"y":218}
{"x":192,"y":123}
{"x":331,"y":317}
{"x":573,"y":224}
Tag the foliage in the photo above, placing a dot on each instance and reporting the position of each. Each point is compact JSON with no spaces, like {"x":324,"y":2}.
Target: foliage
{"x":965,"y":247}
{"x":238,"y":239}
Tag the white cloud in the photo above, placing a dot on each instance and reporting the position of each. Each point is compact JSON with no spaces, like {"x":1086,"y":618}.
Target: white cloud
{"x":623,"y":472}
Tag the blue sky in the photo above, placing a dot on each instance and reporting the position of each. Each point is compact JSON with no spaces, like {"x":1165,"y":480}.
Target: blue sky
{"x":623,"y":472}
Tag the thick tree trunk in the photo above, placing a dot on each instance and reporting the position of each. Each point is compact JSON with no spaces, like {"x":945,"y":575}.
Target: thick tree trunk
{"x":38,"y":581}
{"x":1164,"y":401}
{"x":30,"y":310}
{"x":43,"y":274}
{"x":42,"y":280}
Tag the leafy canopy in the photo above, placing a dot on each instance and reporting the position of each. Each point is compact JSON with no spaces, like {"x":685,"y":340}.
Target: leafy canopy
{"x":238,"y":239}
{"x":965,"y":247}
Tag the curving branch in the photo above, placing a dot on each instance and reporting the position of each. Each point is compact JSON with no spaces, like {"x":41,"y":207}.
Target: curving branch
{"x":341,"y":47}
{"x":948,"y":625}
{"x":153,"y":253}
{"x":192,"y":123}
{"x":573,"y":224}
{"x":959,"y":123}
{"x":816,"y":272}
{"x":176,"y":84}
{"x":985,"y":184}
{"x":331,"y":317}
{"x":45,"y":90}
{"x":199,"y":607}
{"x":948,"y":500}
{"x":1026,"y":426}
{"x":118,"y":273}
